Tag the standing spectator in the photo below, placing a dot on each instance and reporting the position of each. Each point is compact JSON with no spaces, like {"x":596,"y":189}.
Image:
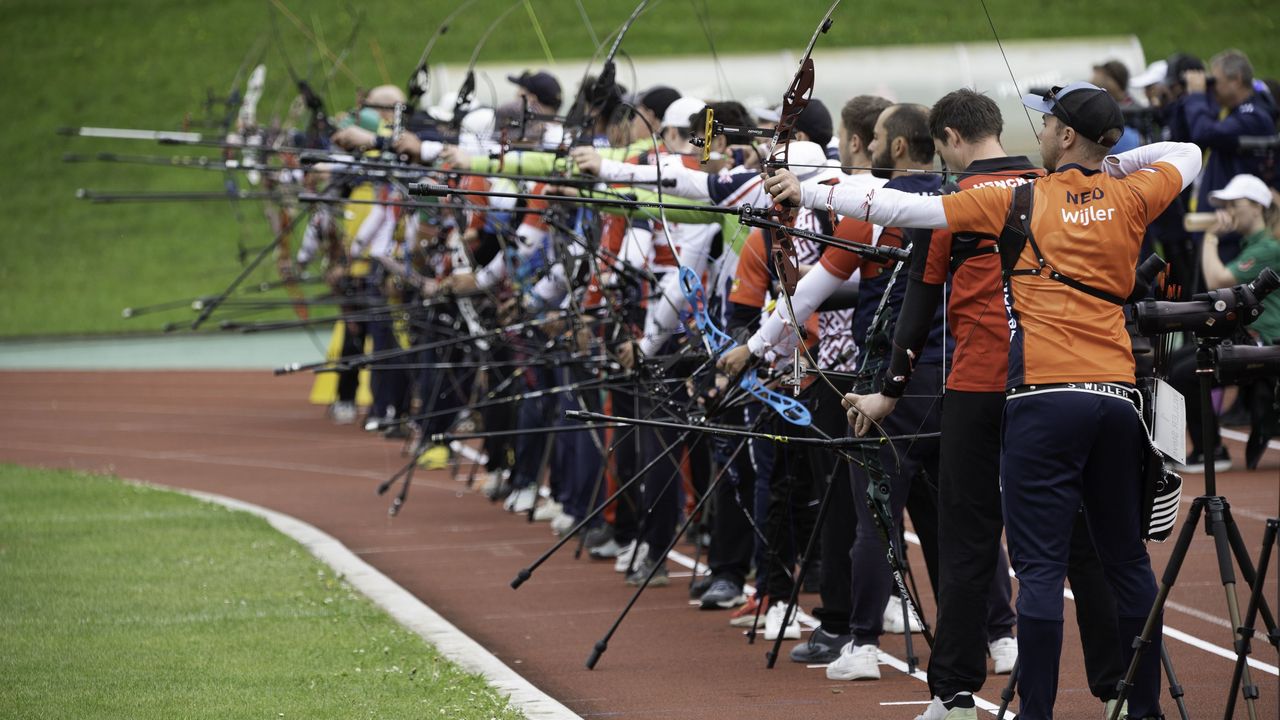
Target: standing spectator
{"x":1217,"y":114}
{"x":1113,"y":77}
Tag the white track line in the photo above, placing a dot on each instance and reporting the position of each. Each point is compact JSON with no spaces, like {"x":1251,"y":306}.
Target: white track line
{"x":407,"y":610}
{"x":1173,"y":632}
{"x":884,"y":657}
{"x":1243,"y":437}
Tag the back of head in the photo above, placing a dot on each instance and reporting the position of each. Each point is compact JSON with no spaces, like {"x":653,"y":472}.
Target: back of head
{"x":658,"y":99}
{"x":385,"y":95}
{"x":729,"y":112}
{"x":859,"y":115}
{"x":971,"y":114}
{"x":815,"y":122}
{"x":911,"y":123}
{"x":1178,"y":64}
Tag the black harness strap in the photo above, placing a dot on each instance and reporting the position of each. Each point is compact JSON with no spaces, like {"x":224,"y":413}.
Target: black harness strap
{"x":1017,"y":233}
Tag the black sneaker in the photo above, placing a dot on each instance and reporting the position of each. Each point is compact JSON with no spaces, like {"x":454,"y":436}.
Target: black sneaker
{"x":723,"y":594}
{"x":821,"y":647}
{"x":1255,"y":448}
{"x":641,"y":571}
{"x":1195,"y":461}
{"x":598,"y":535}
{"x":699,"y":586}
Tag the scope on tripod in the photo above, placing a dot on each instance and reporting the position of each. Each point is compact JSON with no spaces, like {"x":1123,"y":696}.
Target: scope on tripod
{"x":1234,"y":364}
{"x":1215,"y":314}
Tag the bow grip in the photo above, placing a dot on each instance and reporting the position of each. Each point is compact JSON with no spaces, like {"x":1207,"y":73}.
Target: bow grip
{"x":789,"y":408}
{"x":717,"y":340}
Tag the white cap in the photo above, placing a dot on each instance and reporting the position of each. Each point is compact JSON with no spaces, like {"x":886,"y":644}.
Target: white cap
{"x":808,"y":157}
{"x":1154,"y":73}
{"x":1242,"y":187}
{"x":767,"y":114}
{"x":677,"y":113}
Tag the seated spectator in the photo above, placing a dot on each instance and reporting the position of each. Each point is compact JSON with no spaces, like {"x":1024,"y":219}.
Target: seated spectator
{"x":1245,"y":206}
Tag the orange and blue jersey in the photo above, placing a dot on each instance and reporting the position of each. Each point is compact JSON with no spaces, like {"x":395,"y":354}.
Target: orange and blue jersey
{"x":1089,"y":226}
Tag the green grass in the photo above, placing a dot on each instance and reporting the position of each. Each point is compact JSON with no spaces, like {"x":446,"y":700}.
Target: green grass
{"x":121,"y":601}
{"x":69,"y":267}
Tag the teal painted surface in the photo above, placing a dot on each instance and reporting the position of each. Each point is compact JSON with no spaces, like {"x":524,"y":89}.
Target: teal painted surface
{"x":174,"y":352}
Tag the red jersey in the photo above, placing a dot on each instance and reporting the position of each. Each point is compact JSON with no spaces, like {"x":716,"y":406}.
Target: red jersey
{"x":975,"y":310}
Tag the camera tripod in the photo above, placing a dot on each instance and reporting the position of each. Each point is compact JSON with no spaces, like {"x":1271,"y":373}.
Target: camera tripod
{"x":1228,"y":543}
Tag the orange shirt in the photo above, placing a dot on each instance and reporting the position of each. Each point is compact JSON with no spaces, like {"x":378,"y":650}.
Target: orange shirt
{"x":612,"y":230}
{"x":842,"y":263}
{"x":752,"y":282}
{"x":1089,"y":227}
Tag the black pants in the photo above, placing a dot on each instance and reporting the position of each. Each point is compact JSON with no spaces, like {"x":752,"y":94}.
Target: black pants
{"x":1060,"y":450}
{"x":732,"y":536}
{"x":974,"y":592}
{"x":792,"y":506}
{"x":905,"y":463}
{"x":353,"y":335}
{"x":628,"y":456}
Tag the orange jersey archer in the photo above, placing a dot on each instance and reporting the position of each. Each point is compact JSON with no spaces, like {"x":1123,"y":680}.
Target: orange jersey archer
{"x":1089,"y":227}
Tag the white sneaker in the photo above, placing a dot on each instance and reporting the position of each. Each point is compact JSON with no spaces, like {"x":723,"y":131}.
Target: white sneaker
{"x":521,"y":501}
{"x":893,"y":618}
{"x":343,"y":413}
{"x":494,"y":481}
{"x":623,"y":561}
{"x":608,"y":550}
{"x":1110,"y":705}
{"x":547,"y":511}
{"x":1004,"y":654}
{"x":773,"y":623}
{"x":939,"y":711}
{"x":563,"y":523}
{"x":856,"y":662}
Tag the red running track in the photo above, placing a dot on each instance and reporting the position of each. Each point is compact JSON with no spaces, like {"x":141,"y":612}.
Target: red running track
{"x":253,"y":436}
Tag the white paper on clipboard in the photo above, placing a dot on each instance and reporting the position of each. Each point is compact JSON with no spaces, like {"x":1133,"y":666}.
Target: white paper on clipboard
{"x":1169,"y":426}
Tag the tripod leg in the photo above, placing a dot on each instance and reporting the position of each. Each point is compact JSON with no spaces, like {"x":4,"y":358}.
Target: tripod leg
{"x":603,"y":643}
{"x":526,"y":573}
{"x":1006,"y":695}
{"x":1246,"y":628}
{"x":1226,"y":571}
{"x":1246,"y":565}
{"x":1167,"y":580}
{"x":1175,"y":688}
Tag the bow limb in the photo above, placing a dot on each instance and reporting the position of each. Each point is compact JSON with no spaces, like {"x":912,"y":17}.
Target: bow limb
{"x":467,"y":91}
{"x":420,"y":79}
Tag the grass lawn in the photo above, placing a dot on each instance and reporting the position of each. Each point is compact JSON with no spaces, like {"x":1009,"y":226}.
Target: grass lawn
{"x":122,"y":601}
{"x":67,"y":266}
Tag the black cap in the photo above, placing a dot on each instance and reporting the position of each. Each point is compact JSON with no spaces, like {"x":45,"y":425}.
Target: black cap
{"x":1083,"y":107}
{"x":1178,"y":64}
{"x":543,"y":85}
{"x":815,"y":121}
{"x":658,"y":99}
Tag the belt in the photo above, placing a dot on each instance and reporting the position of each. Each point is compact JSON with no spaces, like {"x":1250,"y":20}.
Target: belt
{"x":1119,"y":390}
